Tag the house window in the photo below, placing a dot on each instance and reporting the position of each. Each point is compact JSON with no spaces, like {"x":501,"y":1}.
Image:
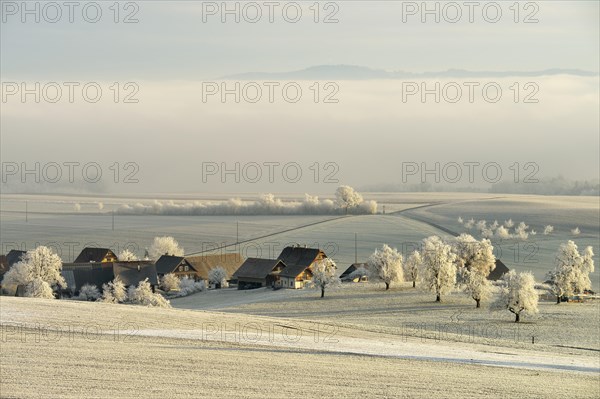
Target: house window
{"x":180,"y":268}
{"x":187,"y":268}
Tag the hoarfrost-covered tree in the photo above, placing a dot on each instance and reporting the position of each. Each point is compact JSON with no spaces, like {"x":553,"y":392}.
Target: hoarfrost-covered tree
{"x":385,"y":265}
{"x":170,"y":282}
{"x":127,"y":256}
{"x":572,"y":272}
{"x":576,"y":231}
{"x":114,"y":292}
{"x":143,"y":295}
{"x":412,"y":267}
{"x":39,"y":288}
{"x":475,"y":260}
{"x":548,"y":230}
{"x":324,"y":274}
{"x":40,"y":264}
{"x":88,"y":292}
{"x":217,"y":276}
{"x":346,"y":197}
{"x":439,"y":269}
{"x":164,"y":246}
{"x":518,"y":294}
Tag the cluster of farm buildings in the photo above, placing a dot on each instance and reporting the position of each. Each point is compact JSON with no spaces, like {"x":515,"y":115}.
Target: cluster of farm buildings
{"x":291,"y":269}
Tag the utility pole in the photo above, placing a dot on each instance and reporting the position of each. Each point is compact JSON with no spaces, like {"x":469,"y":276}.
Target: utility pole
{"x":355,"y":247}
{"x":26,"y":216}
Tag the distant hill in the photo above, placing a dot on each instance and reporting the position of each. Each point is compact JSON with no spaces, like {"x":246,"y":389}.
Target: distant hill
{"x":354,"y":72}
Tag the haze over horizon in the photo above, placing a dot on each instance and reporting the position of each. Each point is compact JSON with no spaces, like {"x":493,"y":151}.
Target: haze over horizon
{"x":364,"y":129}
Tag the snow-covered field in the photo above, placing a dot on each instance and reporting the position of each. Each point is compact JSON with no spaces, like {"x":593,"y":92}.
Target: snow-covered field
{"x":52,"y":221}
{"x":359,"y":341}
{"x":73,"y":349}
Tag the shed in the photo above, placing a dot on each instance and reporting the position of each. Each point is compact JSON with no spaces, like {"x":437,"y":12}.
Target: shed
{"x":258,"y":272}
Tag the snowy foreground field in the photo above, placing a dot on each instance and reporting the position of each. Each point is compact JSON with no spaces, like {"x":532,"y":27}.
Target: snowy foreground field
{"x":358,"y":341}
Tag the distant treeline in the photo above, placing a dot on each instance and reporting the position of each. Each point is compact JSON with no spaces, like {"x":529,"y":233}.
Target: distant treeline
{"x":546,"y":186}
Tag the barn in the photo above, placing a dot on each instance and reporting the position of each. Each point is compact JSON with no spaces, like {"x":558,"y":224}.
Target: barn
{"x":258,"y":272}
{"x":130,"y":273}
{"x":346,"y":275}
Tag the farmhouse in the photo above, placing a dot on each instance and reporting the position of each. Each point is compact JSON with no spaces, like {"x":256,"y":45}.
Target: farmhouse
{"x":98,"y":255}
{"x":205,"y":263}
{"x":298,"y":262}
{"x":258,"y":272}
{"x":346,"y":276}
{"x":177,"y":265}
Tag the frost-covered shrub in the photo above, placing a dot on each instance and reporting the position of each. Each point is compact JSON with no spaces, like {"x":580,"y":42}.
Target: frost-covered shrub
{"x":88,"y":292}
{"x":39,"y":288}
{"x":114,"y":292}
{"x":143,"y":295}
{"x":170,"y":282}
{"x":188,"y":286}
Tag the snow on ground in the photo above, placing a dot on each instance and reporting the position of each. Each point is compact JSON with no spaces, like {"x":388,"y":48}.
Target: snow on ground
{"x":69,"y":349}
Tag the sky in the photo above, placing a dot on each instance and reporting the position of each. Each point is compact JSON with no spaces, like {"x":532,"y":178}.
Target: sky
{"x":166,"y":131}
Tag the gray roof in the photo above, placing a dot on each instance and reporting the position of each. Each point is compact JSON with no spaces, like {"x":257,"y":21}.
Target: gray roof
{"x":298,"y":259}
{"x":352,"y":268}
{"x":169,"y":263}
{"x":131,"y":273}
{"x":13,"y":256}
{"x":500,"y":269}
{"x":79,"y":274}
{"x":257,"y":268}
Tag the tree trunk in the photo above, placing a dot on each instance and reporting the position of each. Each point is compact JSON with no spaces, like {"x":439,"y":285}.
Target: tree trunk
{"x":557,"y":299}
{"x":478,"y":301}
{"x":387,"y":286}
{"x":438,"y":298}
{"x":517,"y":317}
{"x":322,"y":292}
{"x":414,"y":283}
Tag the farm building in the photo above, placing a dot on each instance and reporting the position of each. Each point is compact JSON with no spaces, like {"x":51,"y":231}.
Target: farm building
{"x":130,"y":273}
{"x":258,"y":272}
{"x":298,"y":262}
{"x":6,"y":261}
{"x":177,"y":265}
{"x":98,"y":255}
{"x":204,"y":263}
{"x":346,"y":276}
{"x":499,"y":271}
